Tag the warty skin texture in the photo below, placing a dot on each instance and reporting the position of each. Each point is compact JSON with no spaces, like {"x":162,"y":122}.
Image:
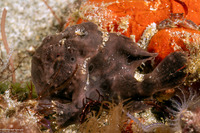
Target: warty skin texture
{"x":76,"y":63}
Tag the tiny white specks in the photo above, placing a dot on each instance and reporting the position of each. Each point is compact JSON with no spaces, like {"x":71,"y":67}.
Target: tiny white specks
{"x":87,"y":82}
{"x":155,"y":6}
{"x":61,"y":112}
{"x":62,"y":42}
{"x":31,"y":48}
{"x":133,"y":37}
{"x":105,"y":37}
{"x":11,"y":126}
{"x":84,"y":66}
{"x":81,"y":32}
{"x":94,"y":78}
{"x":123,"y":24}
{"x":138,"y":76}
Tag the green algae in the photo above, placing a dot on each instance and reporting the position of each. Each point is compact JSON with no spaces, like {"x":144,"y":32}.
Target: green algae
{"x":21,"y":91}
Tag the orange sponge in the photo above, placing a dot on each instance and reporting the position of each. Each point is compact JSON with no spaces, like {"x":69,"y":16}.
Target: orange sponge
{"x":174,"y":39}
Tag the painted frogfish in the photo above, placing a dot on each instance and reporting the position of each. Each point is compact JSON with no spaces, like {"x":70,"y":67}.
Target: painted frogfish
{"x":73,"y":65}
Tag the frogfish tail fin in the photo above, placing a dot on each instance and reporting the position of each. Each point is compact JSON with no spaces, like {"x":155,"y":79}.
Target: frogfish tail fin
{"x":170,"y":73}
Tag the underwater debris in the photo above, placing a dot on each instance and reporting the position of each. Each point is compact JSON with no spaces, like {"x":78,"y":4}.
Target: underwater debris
{"x":19,"y":116}
{"x":57,"y":70}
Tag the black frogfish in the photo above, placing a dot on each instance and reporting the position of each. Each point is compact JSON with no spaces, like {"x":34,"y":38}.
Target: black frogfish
{"x":73,"y":65}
